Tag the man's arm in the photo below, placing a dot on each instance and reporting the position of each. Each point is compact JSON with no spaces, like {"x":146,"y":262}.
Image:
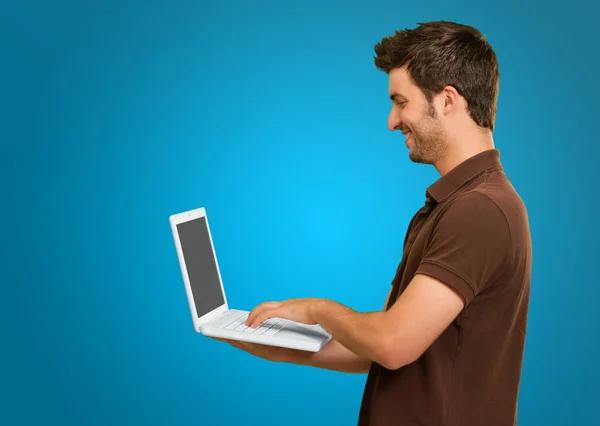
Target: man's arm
{"x":335,"y":356}
{"x":399,"y":336}
{"x":469,"y":246}
{"x":392,"y":338}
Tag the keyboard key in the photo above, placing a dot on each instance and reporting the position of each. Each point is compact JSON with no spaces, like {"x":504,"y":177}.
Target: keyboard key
{"x":234,"y":324}
{"x":223,"y":320}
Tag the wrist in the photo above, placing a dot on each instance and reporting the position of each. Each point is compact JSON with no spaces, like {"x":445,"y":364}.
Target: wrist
{"x":315,"y":310}
{"x":293,"y":356}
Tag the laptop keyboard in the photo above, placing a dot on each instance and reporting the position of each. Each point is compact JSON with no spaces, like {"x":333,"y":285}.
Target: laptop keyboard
{"x":234,"y":320}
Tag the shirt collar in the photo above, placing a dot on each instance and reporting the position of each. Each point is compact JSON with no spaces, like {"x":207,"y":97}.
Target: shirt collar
{"x":464,"y":172}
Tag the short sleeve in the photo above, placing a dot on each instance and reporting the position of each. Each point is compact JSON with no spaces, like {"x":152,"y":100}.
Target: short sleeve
{"x":469,"y":245}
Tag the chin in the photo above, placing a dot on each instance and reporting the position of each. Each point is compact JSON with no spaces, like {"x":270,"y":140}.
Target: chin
{"x":414,"y":156}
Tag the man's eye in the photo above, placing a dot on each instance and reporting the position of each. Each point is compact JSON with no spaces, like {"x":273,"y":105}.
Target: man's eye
{"x":401,"y":103}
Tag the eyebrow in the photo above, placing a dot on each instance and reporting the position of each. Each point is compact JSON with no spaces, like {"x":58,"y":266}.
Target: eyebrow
{"x":396,"y":95}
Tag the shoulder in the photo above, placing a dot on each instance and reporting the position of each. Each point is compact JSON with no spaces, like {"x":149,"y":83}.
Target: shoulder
{"x":469,"y":243}
{"x":496,"y":195}
{"x":473,"y":208}
{"x":491,"y":215}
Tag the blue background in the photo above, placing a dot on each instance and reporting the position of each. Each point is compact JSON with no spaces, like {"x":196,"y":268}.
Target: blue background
{"x":272,"y":116}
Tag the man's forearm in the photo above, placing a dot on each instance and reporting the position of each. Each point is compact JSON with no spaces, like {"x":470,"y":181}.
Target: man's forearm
{"x":333,"y":356}
{"x":361,"y":333}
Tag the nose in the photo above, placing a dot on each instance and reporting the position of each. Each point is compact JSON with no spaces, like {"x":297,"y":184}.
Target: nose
{"x":394,"y":121}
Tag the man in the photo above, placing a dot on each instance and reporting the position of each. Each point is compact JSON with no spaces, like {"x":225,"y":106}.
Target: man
{"x":447,"y":348}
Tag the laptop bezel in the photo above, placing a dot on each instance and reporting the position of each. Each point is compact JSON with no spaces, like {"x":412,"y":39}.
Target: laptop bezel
{"x":175,"y":220}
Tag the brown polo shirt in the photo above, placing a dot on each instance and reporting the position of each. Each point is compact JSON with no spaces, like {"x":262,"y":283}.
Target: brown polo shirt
{"x":472,"y":234}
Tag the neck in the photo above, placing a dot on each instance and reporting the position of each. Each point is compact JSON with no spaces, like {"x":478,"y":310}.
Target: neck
{"x":460,"y":150}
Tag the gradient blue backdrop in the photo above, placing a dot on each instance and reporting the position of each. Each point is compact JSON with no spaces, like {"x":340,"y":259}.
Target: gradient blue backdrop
{"x":115,"y":115}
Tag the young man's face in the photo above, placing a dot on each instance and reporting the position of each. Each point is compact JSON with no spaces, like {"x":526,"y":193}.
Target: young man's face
{"x":416,"y":118}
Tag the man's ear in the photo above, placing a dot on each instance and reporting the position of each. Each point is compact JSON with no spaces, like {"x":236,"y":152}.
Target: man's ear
{"x":450,"y":99}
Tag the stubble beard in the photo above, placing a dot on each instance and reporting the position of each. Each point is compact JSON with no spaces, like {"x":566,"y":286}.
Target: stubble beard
{"x":428,"y":138}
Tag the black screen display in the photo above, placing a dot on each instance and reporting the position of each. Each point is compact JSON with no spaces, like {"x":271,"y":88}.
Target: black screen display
{"x":201,"y":265}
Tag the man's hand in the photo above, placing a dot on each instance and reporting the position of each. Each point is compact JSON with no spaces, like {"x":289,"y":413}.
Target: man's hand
{"x":333,"y":356}
{"x":298,"y":310}
{"x":270,"y":353}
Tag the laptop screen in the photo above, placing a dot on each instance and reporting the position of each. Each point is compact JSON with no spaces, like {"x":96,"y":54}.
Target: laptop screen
{"x":201,"y":265}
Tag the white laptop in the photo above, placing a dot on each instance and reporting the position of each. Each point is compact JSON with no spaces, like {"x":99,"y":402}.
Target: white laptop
{"x":206,"y":296}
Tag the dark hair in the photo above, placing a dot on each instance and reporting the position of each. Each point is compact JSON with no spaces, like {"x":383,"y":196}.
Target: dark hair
{"x":439,"y":54}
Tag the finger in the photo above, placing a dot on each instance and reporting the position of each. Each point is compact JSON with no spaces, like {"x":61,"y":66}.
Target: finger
{"x":259,"y":311}
{"x":263,"y":316}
